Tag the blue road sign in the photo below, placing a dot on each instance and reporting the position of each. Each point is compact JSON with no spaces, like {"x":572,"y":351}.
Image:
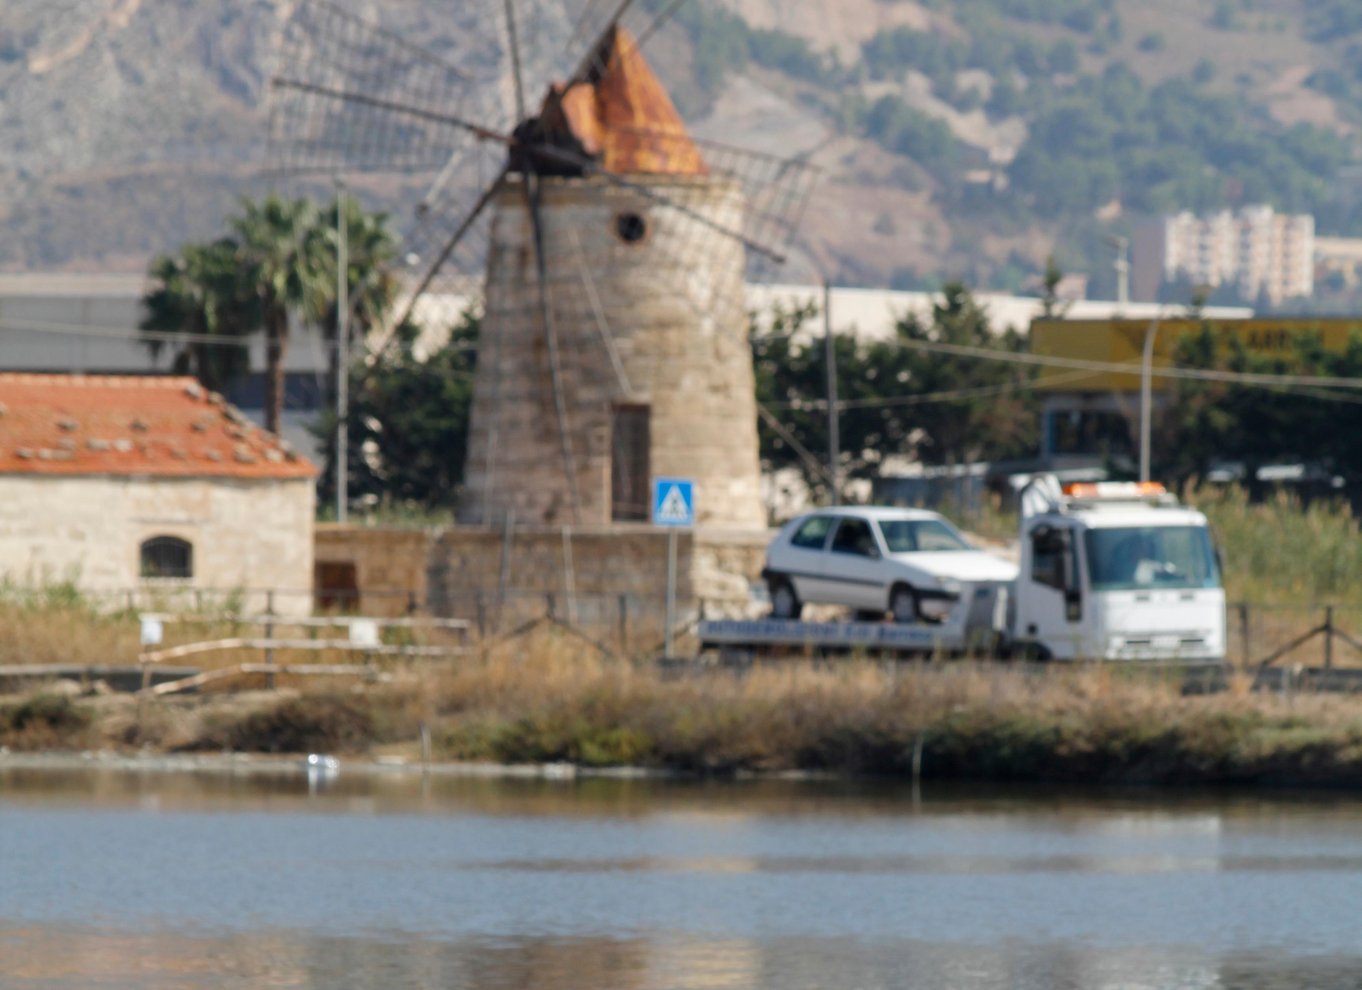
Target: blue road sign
{"x":673,"y":502}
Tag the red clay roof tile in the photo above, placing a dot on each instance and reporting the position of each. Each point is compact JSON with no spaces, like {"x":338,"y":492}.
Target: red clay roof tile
{"x":130,"y":425}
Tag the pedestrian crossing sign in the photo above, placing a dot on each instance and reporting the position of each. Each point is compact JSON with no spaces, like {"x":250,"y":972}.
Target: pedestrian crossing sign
{"x":673,"y":502}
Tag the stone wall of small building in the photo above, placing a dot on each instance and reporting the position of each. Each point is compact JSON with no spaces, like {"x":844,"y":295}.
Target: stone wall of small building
{"x":246,"y":535}
{"x":370,"y":570}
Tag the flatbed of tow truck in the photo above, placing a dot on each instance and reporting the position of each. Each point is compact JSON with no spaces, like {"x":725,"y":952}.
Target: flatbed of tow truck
{"x":761,"y":636}
{"x":973,"y":627}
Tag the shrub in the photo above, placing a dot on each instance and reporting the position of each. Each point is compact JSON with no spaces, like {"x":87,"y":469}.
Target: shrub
{"x":44,"y":721}
{"x":306,"y":724}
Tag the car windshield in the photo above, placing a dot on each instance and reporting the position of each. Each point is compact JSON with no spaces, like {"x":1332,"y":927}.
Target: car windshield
{"x":913,"y":535}
{"x":1151,"y":557}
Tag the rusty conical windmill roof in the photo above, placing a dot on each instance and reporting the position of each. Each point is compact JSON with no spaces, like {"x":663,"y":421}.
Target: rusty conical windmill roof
{"x":621,"y":115}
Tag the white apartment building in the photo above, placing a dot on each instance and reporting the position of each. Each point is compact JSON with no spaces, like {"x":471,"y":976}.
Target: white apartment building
{"x":1257,"y":250}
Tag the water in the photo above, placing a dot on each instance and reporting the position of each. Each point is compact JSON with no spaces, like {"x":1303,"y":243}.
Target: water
{"x":115,"y":879}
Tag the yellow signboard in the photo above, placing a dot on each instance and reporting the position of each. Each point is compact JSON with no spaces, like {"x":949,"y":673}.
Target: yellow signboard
{"x":1122,"y":342}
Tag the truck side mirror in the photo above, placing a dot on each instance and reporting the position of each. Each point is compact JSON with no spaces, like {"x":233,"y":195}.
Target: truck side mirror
{"x":1073,"y":605}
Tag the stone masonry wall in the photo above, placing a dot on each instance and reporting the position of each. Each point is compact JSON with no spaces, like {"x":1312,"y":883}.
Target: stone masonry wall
{"x":657,"y":322}
{"x":89,"y":530}
{"x":461,"y":570}
{"x":390,"y":566}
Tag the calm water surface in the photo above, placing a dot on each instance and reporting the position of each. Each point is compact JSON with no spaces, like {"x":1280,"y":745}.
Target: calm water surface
{"x":114,"y":879}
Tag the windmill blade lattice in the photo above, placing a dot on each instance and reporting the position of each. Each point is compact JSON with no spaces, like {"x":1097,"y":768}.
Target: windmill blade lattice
{"x":350,"y":96}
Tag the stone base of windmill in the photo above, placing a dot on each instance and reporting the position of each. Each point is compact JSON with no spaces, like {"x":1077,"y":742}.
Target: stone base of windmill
{"x":609,"y":581}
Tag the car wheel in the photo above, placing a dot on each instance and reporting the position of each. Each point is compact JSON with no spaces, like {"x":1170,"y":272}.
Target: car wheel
{"x":785,"y":604}
{"x":903,"y":606}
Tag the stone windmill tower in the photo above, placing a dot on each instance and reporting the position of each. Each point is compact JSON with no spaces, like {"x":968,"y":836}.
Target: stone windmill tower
{"x":612,"y":250}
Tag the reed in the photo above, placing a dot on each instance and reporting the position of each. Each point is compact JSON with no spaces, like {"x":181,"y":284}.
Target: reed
{"x":1282,"y":551}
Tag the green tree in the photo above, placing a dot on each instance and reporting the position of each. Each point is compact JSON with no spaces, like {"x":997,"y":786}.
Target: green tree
{"x":993,"y":415}
{"x":196,"y":294}
{"x":1209,"y":422}
{"x":1050,"y":305}
{"x":896,"y":397}
{"x":408,"y":421}
{"x":286,"y":259}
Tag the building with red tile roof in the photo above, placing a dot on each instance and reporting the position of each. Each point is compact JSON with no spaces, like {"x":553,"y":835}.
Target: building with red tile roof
{"x":121,"y":482}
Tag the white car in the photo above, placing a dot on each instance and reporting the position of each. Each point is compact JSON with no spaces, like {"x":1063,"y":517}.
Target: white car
{"x":911,"y":563}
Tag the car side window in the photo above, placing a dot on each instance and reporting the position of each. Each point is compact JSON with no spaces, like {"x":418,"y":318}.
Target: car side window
{"x":1049,"y":547}
{"x":812,"y":534}
{"x":854,"y":536}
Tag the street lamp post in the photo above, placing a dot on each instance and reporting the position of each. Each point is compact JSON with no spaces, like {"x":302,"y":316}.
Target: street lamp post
{"x":1146,"y":395}
{"x":834,"y":428}
{"x":342,"y":356}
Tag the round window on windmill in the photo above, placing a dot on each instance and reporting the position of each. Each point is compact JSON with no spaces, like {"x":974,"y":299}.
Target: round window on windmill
{"x":631,"y":228}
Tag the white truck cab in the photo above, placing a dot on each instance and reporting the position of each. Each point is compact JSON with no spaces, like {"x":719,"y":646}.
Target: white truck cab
{"x":1116,"y":571}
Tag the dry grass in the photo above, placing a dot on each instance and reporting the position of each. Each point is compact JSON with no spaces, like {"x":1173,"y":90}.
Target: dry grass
{"x":549,"y":697}
{"x":57,"y":626}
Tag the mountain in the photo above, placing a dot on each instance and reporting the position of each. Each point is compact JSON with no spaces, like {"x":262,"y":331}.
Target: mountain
{"x":958,"y":138}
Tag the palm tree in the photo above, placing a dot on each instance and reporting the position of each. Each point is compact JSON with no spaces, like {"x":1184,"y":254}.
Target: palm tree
{"x":284,"y":258}
{"x":197,"y":293}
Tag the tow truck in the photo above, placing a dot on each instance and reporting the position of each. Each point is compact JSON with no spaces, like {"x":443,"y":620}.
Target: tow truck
{"x":1115,"y":571}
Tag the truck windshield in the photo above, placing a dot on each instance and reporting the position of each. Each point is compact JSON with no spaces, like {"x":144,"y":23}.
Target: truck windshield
{"x":910,"y":535}
{"x":1151,"y":557}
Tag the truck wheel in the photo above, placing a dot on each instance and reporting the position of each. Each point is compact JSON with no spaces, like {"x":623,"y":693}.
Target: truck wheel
{"x":785,"y":604}
{"x":903,"y":606}
{"x":1030,"y":652}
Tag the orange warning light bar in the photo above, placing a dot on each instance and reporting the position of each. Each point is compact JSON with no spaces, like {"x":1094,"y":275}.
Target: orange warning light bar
{"x":1115,"y":489}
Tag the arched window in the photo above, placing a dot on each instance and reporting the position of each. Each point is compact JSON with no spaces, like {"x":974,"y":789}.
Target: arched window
{"x":167,"y":557}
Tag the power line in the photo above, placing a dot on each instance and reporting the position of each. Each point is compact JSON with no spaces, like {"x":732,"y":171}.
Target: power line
{"x":131,"y":336}
{"x":138,"y":336}
{"x":1084,"y":368}
{"x":1128,"y":368}
{"x":926,"y":398}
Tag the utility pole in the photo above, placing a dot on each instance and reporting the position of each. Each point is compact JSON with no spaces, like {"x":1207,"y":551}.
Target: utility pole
{"x":834,"y":439}
{"x":342,"y":356}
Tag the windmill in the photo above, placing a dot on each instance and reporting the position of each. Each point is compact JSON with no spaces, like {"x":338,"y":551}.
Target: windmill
{"x":611,"y":247}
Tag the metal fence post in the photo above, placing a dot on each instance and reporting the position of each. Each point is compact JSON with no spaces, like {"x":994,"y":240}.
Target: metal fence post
{"x":269,"y":636}
{"x":1244,"y":634}
{"x":1328,"y":636}
{"x":624,"y":623}
{"x":504,"y":572}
